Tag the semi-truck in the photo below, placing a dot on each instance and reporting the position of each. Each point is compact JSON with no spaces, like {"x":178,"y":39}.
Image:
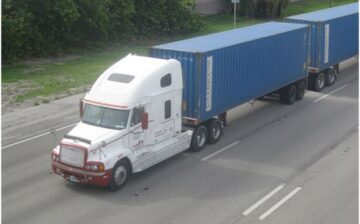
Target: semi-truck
{"x":334,"y":37}
{"x":143,"y":110}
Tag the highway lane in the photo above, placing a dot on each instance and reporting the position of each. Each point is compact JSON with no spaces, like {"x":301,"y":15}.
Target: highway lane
{"x":277,"y":144}
{"x":328,"y":194}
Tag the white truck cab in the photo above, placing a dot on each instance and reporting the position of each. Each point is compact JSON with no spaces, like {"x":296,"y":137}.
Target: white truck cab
{"x":131,"y":120}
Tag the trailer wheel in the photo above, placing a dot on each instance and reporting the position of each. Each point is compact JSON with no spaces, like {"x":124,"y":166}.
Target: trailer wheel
{"x":215,"y":130}
{"x":330,"y":77}
{"x":311,"y":82}
{"x":300,"y":90}
{"x":119,"y":175}
{"x":199,"y":138}
{"x":319,"y":83}
{"x":288,"y":94}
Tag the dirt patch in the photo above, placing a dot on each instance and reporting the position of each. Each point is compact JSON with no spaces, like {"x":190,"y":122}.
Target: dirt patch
{"x":50,"y":60}
{"x":10,"y":91}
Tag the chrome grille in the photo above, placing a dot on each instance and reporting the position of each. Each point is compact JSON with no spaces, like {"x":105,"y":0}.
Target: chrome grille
{"x":72,"y":156}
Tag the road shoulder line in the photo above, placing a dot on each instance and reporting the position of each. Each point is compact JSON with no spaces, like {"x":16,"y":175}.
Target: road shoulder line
{"x":332,"y":92}
{"x":263,"y":199}
{"x":219,"y":151}
{"x":36,"y":136}
{"x":279,"y":203}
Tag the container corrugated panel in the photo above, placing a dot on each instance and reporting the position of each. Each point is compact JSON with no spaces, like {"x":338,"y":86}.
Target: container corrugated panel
{"x":226,"y":69}
{"x":334,"y":34}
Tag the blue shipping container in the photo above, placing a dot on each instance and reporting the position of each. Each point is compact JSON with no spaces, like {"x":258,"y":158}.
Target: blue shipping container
{"x":334,"y":34}
{"x":226,"y":69}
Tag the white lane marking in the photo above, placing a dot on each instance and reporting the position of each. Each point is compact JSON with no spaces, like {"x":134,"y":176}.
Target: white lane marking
{"x":332,"y":92}
{"x":36,"y":136}
{"x":263,"y":199}
{"x":220,"y":151}
{"x":281,"y":202}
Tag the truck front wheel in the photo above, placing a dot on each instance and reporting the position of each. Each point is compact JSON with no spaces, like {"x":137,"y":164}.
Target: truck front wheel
{"x":119,"y":175}
{"x":215,"y":130}
{"x":199,"y":138}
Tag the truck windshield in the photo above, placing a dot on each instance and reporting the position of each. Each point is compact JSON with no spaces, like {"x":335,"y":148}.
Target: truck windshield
{"x":105,"y":117}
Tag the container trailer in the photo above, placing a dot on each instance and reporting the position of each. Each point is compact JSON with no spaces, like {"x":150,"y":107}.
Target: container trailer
{"x":143,"y":110}
{"x":334,"y":36}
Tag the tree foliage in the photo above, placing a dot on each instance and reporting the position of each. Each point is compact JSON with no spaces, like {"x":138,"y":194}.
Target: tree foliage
{"x":262,"y":8}
{"x":35,"y":28}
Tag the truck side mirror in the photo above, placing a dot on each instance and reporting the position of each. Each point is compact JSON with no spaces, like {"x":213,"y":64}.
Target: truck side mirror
{"x":81,"y":105}
{"x":145,"y":121}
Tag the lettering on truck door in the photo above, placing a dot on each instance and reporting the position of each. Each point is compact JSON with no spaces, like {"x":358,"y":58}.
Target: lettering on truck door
{"x":137,"y":137}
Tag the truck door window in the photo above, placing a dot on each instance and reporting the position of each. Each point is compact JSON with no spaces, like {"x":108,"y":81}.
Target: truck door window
{"x":165,"y":80}
{"x":136,"y":117}
{"x":167,"y":109}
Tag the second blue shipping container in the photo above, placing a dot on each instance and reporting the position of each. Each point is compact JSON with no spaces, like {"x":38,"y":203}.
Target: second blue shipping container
{"x":226,"y":69}
{"x":334,"y":34}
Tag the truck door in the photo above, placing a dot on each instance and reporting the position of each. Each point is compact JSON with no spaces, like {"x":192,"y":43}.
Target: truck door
{"x":145,"y":156}
{"x":166,"y":118}
{"x":137,"y":134}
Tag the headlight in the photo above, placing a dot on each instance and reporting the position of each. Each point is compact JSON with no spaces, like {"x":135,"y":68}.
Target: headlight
{"x":95,"y":166}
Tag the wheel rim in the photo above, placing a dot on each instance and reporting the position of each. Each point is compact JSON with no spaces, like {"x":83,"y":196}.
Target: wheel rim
{"x":320,"y":82}
{"x":120,"y":175}
{"x":215,"y":131}
{"x":200,"y":138}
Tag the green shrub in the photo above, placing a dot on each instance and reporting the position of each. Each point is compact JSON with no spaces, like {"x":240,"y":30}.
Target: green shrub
{"x":36,"y":28}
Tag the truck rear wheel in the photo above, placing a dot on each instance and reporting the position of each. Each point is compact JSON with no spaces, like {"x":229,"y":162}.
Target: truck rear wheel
{"x":288,"y":94}
{"x":330,"y":77}
{"x":319,"y":83}
{"x":215,"y":130}
{"x":300,"y":89}
{"x":199,"y":138}
{"x":119,"y":175}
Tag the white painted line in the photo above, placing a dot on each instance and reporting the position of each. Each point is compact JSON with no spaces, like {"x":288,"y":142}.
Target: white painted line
{"x":220,"y":151}
{"x":263,"y":199}
{"x":281,"y":202}
{"x":36,"y":136}
{"x":332,"y":92}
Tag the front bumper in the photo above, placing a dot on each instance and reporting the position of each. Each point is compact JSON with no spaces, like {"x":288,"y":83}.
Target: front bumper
{"x":73,"y":174}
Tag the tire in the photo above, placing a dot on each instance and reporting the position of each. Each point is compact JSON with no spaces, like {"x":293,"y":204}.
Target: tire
{"x":288,"y":94}
{"x":300,"y":90}
{"x":199,"y":138}
{"x":215,"y":130}
{"x":330,"y":77}
{"x":319,"y":82}
{"x":311,"y":82}
{"x":119,"y":175}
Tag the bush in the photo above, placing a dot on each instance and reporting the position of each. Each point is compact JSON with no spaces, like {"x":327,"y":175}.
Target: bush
{"x":35,"y":28}
{"x":165,"y":17}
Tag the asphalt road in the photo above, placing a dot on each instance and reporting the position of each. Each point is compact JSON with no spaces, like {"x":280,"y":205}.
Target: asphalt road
{"x":302,"y":158}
